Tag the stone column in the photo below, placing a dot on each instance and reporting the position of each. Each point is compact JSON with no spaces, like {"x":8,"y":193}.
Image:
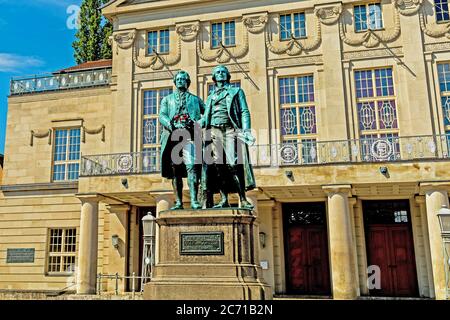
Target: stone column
{"x":88,"y":245}
{"x":342,"y":254}
{"x":420,"y":200}
{"x":436,"y":196}
{"x":163,"y":202}
{"x":118,"y":257}
{"x":253,"y":199}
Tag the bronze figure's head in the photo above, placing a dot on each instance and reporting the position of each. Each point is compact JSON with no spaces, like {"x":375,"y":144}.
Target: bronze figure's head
{"x":221,"y":73}
{"x":182,"y":80}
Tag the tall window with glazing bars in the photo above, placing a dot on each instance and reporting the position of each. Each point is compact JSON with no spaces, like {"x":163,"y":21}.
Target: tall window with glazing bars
{"x":368,"y":17}
{"x":298,"y":117}
{"x":377,"y":114}
{"x":223,"y":33}
{"x":152,"y":128}
{"x":292,"y":25}
{"x":441,"y":9}
{"x":61,"y":250}
{"x":66,"y":154}
{"x":158,"y":42}
{"x":444,"y":84}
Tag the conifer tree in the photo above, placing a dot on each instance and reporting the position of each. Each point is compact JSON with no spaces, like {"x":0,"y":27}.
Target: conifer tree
{"x":93,"y":33}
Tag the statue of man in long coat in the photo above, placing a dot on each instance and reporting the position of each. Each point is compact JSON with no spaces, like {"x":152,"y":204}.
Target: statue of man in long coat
{"x":226,"y":154}
{"x":179,"y":115}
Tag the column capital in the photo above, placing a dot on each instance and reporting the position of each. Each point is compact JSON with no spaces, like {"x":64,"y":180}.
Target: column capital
{"x":330,"y":190}
{"x":419,"y":199}
{"x":89,"y":197}
{"x":167,"y":196}
{"x":352,"y":201}
{"x":426,"y":187}
{"x":118,"y":208}
{"x":266,"y":203}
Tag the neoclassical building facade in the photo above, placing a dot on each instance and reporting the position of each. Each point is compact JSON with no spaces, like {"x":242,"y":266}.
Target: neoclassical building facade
{"x":350,"y":105}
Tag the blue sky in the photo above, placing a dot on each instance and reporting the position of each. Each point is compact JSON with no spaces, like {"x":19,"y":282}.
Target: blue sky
{"x":35,"y":39}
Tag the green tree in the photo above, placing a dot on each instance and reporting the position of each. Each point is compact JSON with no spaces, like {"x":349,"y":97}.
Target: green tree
{"x":91,"y":42}
{"x":107,"y":31}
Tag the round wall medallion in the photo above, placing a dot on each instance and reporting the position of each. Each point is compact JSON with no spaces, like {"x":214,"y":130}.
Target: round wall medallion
{"x":124,"y":163}
{"x":381,"y":150}
{"x":289,"y":153}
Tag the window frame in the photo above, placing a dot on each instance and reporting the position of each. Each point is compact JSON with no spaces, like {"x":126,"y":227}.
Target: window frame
{"x":152,"y":147}
{"x":65,"y":162}
{"x":222,"y":40}
{"x":375,"y":99}
{"x":147,"y":47}
{"x":436,"y":13}
{"x":61,"y":254}
{"x":443,"y":94}
{"x":305,"y":140}
{"x":366,"y":5}
{"x":292,"y":30}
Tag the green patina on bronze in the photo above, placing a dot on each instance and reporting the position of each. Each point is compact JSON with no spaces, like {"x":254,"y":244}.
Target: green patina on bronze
{"x":226,"y":118}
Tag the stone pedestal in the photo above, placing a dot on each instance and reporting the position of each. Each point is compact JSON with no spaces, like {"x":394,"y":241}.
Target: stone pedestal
{"x":207,"y":255}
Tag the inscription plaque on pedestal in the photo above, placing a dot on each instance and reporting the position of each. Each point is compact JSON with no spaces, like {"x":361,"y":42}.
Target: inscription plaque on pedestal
{"x":20,"y":255}
{"x":205,"y":243}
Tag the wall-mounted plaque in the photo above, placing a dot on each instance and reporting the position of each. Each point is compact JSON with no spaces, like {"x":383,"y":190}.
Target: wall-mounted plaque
{"x":201,"y":243}
{"x":20,"y":255}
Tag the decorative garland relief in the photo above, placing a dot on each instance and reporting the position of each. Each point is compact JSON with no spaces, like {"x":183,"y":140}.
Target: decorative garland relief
{"x":44,"y":134}
{"x":370,"y":38}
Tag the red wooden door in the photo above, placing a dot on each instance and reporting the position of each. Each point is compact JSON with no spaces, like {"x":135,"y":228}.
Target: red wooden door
{"x":403,"y":261}
{"x":308,"y":260}
{"x":391,"y":248}
{"x":298,"y":260}
{"x":319,"y":274}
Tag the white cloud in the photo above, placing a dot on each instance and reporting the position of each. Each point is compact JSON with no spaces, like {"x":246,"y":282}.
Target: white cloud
{"x":13,"y":63}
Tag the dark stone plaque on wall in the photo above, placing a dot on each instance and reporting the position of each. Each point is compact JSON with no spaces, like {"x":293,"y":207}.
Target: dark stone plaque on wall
{"x":201,"y":243}
{"x":20,"y":255}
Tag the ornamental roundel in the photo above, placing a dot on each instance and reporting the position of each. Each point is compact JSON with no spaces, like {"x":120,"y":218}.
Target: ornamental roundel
{"x":124,"y":163}
{"x":289,"y":153}
{"x":381,"y":150}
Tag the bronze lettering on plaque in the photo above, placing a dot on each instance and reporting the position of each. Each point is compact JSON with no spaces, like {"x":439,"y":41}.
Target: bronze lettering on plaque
{"x":205,"y":243}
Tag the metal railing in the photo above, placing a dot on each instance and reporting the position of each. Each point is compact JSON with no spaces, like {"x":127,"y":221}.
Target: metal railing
{"x":117,"y":279}
{"x":293,"y":153}
{"x":62,"y":81}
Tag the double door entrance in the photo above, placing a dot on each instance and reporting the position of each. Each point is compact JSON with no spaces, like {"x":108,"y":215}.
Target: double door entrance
{"x":307,"y":249}
{"x":390,"y":247}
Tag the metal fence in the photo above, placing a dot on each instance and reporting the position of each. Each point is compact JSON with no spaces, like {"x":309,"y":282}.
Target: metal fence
{"x":103,"y":280}
{"x":62,"y":81}
{"x":291,"y":153}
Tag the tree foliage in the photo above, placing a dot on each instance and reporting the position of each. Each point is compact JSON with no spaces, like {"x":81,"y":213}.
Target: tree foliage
{"x":91,"y":42}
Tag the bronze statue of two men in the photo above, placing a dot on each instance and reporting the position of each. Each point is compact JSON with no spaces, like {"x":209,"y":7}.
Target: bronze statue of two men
{"x":207,"y":143}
